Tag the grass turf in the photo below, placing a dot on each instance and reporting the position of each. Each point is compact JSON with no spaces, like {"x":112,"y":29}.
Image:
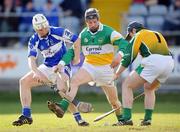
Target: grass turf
{"x":166,"y":115}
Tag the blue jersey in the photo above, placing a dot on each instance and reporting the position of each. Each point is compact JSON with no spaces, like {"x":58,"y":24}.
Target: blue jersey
{"x":52,"y":47}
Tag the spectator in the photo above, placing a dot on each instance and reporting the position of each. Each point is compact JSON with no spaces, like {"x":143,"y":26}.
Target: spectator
{"x":72,"y":15}
{"x":138,"y":1}
{"x":150,"y":2}
{"x":25,"y":21}
{"x":85,"y":4}
{"x":172,"y":21}
{"x":51,"y":13}
{"x":164,"y":2}
{"x":8,"y":22}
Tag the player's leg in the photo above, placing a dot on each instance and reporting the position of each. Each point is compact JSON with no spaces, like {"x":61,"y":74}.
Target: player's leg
{"x":63,"y":87}
{"x":149,"y":101}
{"x":132,"y":82}
{"x":154,"y":76}
{"x":112,"y":97}
{"x":26,"y":83}
{"x":81,"y":77}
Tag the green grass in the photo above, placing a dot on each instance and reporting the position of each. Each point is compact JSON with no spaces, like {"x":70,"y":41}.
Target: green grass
{"x":166,"y":117}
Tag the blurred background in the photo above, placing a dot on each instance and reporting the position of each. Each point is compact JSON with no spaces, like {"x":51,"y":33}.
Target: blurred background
{"x":16,"y":28}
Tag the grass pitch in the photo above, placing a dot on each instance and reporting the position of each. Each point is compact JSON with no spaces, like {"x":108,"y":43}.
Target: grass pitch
{"x":166,"y":117}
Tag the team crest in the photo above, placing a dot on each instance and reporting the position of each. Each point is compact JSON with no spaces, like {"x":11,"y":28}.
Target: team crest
{"x":100,"y":40}
{"x":85,"y":40}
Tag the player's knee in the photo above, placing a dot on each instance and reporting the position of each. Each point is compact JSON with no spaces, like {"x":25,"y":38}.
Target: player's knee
{"x":24,"y":81}
{"x":148,"y":90}
{"x":147,"y":87}
{"x":74,"y":82}
{"x":127,"y":84}
{"x":155,"y":85}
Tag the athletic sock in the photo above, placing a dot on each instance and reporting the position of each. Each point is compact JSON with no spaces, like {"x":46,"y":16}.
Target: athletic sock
{"x":126,"y":114}
{"x":64,"y":104}
{"x":26,"y":112}
{"x":148,"y":114}
{"x":77,"y":117}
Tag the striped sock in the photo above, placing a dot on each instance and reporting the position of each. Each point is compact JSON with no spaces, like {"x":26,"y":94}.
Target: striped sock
{"x":77,"y":117}
{"x":26,"y":112}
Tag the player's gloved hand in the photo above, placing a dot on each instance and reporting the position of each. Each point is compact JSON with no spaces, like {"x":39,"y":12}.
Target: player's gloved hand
{"x":115,"y":77}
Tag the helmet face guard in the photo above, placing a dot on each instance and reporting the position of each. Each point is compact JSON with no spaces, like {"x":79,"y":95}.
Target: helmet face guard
{"x":91,"y":13}
{"x":93,"y":16}
{"x":39,"y":22}
{"x":133,"y":25}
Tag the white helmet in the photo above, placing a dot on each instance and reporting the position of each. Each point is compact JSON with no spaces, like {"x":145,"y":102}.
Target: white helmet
{"x":39,"y":21}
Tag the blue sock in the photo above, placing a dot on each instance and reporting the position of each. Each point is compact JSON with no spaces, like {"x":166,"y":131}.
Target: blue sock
{"x":26,"y":112}
{"x":77,"y":116}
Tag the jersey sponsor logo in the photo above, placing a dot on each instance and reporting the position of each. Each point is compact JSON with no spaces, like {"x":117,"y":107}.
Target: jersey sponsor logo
{"x":94,"y":50}
{"x":67,"y":34}
{"x":51,"y":51}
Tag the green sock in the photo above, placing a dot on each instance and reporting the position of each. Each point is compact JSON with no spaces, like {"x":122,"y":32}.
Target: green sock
{"x":126,"y":114}
{"x":148,"y":114}
{"x":119,"y":117}
{"x":64,"y":104}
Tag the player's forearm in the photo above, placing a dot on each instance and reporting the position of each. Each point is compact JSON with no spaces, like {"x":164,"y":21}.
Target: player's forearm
{"x":120,"y":69}
{"x":32,"y":63}
{"x":73,"y":54}
{"x":121,"y":43}
{"x":77,"y":48}
{"x":68,"y":57}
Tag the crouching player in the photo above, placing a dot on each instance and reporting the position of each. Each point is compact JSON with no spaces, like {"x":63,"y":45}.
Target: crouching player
{"x":156,"y":65}
{"x":97,"y":42}
{"x":50,"y":41}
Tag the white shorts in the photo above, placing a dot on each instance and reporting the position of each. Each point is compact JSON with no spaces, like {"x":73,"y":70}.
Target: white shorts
{"x":49,"y":73}
{"x":156,"y":67}
{"x":101,"y":75}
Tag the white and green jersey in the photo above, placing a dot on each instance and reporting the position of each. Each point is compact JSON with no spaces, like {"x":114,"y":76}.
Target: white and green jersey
{"x":98,"y":48}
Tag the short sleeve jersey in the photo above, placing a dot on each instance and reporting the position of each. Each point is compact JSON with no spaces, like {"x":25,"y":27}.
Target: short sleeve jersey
{"x":52,"y":47}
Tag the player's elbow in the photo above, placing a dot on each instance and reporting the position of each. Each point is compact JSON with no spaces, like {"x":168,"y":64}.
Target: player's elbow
{"x":76,"y":61}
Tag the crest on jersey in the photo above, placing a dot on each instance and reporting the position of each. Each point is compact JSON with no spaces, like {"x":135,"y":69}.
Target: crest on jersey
{"x":85,"y":40}
{"x":67,"y":34}
{"x":100,"y":40}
